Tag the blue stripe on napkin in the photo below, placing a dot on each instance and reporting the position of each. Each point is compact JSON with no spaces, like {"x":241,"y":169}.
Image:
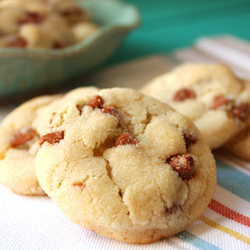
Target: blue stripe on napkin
{"x":233,"y":180}
{"x":195,"y":241}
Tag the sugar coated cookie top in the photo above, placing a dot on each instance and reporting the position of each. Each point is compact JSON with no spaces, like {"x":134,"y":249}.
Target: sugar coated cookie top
{"x":126,"y":166}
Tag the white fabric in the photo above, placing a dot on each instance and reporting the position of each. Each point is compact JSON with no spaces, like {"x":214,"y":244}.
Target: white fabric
{"x":37,"y":223}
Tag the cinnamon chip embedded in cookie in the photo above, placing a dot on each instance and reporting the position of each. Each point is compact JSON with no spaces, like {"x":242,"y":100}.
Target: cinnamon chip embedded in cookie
{"x":184,"y":165}
{"x":96,"y":102}
{"x":139,"y":180}
{"x":210,"y":94}
{"x":241,"y":112}
{"x":126,"y":139}
{"x":220,"y":101}
{"x":51,"y":138}
{"x":22,"y":136}
{"x":183,"y":94}
{"x":189,"y":139}
{"x":20,"y":133}
{"x":113,"y":111}
{"x":32,"y":17}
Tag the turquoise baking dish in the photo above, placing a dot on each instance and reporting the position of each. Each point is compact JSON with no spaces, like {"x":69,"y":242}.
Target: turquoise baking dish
{"x":23,"y":70}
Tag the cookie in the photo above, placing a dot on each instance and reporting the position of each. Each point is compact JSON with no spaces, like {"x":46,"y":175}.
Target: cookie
{"x":126,"y":166}
{"x":39,"y":24}
{"x":211,"y":95}
{"x":20,"y":132}
{"x":239,"y":145}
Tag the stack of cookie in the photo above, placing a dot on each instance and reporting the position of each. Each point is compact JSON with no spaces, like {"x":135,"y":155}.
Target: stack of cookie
{"x":116,"y":161}
{"x":39,"y":24}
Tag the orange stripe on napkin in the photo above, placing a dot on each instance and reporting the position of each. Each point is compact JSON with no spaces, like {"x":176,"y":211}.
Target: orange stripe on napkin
{"x":226,"y":230}
{"x":229,"y":213}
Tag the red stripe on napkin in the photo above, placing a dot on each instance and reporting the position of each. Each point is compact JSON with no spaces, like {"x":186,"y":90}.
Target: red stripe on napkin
{"x":229,"y":213}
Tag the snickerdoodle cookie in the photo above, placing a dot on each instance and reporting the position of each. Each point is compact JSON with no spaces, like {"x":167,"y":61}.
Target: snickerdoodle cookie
{"x":20,"y":132}
{"x":126,"y":166}
{"x":211,"y":95}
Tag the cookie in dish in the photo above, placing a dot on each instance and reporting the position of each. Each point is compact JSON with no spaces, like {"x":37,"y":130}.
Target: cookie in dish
{"x":39,"y":24}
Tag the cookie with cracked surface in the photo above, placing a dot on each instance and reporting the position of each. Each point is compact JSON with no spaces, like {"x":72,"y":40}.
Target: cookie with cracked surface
{"x":20,"y":132}
{"x":126,"y":166}
{"x":211,"y":95}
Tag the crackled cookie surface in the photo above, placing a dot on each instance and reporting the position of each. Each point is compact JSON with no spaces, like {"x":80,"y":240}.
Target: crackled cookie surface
{"x":20,"y":132}
{"x":211,"y":95}
{"x":49,"y":24}
{"x":126,"y":166}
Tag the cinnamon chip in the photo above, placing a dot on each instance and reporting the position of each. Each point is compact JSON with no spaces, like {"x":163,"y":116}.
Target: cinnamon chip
{"x":189,"y":139}
{"x":126,"y":139}
{"x":183,"y":94}
{"x":80,"y":107}
{"x":51,"y":138}
{"x":22,"y":136}
{"x":17,"y":42}
{"x":219,"y":101}
{"x":79,"y":185}
{"x":32,"y":17}
{"x":57,"y":45}
{"x":96,"y":102}
{"x":113,"y":111}
{"x":184,"y":165}
{"x":52,"y":117}
{"x":241,"y":112}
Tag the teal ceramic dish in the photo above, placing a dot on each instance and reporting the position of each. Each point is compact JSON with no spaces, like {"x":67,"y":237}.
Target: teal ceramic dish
{"x":23,"y":70}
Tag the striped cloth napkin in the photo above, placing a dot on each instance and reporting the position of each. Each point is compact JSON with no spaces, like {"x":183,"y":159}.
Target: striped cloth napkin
{"x":37,"y":223}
